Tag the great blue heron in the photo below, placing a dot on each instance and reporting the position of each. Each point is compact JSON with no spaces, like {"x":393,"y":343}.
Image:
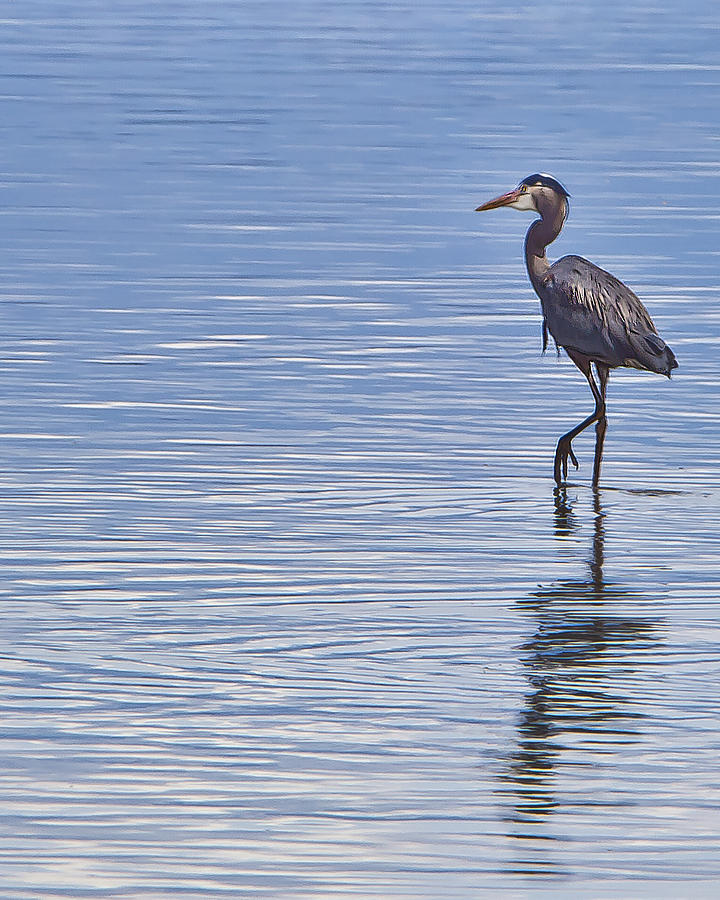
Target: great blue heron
{"x":589,"y":312}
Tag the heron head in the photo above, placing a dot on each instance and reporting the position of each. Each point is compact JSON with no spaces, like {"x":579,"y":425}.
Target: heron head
{"x":534,"y":193}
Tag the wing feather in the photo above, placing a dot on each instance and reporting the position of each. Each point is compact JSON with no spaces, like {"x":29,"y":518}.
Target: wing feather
{"x":589,"y":310}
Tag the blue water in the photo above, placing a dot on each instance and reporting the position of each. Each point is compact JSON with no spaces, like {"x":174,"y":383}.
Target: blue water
{"x":291,"y":607}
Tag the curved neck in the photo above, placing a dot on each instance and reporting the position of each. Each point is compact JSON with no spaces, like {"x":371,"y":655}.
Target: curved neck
{"x":541,"y":233}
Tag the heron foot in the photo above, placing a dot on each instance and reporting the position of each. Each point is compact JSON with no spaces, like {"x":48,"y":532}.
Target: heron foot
{"x":563,"y":452}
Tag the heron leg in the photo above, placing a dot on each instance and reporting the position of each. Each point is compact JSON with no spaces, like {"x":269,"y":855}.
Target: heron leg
{"x":601,"y":425}
{"x":564,"y":449}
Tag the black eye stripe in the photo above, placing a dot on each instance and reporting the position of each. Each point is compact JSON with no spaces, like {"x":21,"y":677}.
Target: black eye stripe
{"x":546,"y":181}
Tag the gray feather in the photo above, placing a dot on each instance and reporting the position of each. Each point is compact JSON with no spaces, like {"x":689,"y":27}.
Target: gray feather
{"x":590,"y":311}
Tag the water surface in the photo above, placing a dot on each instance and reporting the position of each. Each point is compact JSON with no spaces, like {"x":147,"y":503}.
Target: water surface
{"x":292,"y":608}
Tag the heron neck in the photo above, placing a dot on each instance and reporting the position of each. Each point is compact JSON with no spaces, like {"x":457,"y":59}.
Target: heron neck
{"x":541,"y":233}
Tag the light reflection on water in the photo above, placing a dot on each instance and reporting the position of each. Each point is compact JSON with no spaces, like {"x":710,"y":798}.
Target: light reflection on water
{"x":290,"y":607}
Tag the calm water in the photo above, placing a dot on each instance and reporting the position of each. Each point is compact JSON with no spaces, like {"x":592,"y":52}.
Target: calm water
{"x":290,"y":607}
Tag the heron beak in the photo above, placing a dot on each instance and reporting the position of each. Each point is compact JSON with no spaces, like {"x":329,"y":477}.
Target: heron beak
{"x":503,"y":200}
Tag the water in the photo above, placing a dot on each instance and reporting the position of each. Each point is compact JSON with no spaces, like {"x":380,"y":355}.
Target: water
{"x":290,"y":606}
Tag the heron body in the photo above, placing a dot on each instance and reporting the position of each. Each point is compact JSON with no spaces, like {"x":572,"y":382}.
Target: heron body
{"x":597,"y":319}
{"x":589,"y":310}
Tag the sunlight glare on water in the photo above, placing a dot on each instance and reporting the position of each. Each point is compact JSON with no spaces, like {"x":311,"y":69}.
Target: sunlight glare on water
{"x":291,"y":606}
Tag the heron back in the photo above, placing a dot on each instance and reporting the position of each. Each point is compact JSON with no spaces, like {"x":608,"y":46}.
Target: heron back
{"x":589,"y":310}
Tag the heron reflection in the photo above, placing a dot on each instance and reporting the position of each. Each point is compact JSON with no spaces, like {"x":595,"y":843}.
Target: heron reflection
{"x":580,"y":640}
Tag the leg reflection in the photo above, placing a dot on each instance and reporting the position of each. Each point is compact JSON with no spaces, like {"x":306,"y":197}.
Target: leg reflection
{"x":579,"y":645}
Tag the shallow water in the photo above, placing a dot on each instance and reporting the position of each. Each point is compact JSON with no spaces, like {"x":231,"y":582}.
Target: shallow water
{"x":292,"y":608}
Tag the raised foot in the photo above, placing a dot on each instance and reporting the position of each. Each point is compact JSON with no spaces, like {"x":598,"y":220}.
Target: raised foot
{"x":562,"y":454}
